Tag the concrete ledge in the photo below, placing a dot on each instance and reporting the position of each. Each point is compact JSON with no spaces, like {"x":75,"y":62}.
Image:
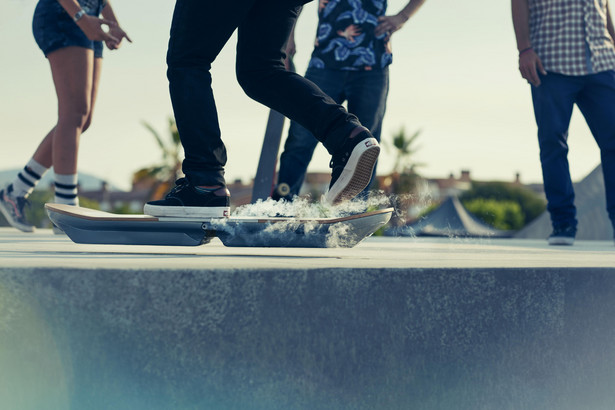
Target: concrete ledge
{"x":390,"y":324}
{"x":307,"y":339}
{"x":45,"y":250}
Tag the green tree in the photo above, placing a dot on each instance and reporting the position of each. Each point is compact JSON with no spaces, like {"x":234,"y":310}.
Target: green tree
{"x":163,"y":174}
{"x":505,"y":215}
{"x":530,"y":204}
{"x":404,"y":168}
{"x":36,"y":213}
{"x":405,"y":149}
{"x":405,"y":177}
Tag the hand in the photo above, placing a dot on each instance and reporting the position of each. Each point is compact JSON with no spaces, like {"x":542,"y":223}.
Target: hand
{"x":529,"y":66}
{"x":92,"y":28}
{"x":118,"y":33}
{"x":389,"y":24}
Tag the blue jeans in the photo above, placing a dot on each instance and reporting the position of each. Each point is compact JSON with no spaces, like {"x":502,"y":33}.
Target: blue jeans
{"x":366,"y":93}
{"x":198,"y":32}
{"x":553,"y":103}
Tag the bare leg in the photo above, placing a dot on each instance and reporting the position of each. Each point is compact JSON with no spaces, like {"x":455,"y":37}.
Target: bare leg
{"x":72,"y":69}
{"x":95,"y":84}
{"x":44,"y":153}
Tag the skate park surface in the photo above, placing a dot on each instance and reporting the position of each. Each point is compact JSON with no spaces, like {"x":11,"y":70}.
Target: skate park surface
{"x":393,"y":323}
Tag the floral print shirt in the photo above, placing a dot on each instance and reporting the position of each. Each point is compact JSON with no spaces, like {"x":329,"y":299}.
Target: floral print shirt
{"x":345,"y":38}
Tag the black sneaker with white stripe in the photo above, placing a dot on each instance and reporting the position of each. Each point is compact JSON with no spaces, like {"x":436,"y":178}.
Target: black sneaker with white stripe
{"x":13,"y":210}
{"x":188,"y":201}
{"x":563,"y":235}
{"x":352,"y":167}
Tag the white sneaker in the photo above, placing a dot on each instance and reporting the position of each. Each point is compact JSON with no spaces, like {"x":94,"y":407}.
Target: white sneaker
{"x":352,"y":167}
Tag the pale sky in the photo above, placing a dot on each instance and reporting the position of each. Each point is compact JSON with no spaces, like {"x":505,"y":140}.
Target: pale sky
{"x":454,"y":76}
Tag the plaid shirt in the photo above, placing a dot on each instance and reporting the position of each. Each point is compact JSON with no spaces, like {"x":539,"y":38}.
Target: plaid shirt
{"x":570,"y":36}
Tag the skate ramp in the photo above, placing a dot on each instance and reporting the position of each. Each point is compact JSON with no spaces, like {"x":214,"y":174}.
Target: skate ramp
{"x":450,"y":219}
{"x":590,"y":201}
{"x":297,"y":337}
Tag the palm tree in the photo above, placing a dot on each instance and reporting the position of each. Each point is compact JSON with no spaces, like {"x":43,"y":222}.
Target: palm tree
{"x":404,"y":178}
{"x":404,"y":151}
{"x":404,"y":169}
{"x":161,"y":177}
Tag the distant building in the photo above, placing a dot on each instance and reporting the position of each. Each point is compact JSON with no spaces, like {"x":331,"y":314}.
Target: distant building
{"x":241,"y":194}
{"x":110,"y":200}
{"x":442,"y":188}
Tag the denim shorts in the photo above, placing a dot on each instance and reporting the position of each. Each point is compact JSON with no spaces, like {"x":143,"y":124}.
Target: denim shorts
{"x":54,"y":29}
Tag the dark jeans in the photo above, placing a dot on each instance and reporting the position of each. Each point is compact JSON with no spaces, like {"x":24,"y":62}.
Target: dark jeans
{"x":199,"y":30}
{"x":366,"y":93}
{"x":553,"y":103}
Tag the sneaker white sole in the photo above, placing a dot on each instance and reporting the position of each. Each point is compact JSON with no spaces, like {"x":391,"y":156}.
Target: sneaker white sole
{"x":559,"y":240}
{"x":188,"y":211}
{"x":356,"y":174}
{"x":13,"y":223}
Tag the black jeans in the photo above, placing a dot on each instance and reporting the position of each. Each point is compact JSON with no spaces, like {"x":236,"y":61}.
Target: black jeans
{"x":366,"y":93}
{"x":199,"y":30}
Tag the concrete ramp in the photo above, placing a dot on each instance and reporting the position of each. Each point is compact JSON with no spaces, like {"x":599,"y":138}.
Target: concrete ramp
{"x":594,"y":223}
{"x":307,"y":338}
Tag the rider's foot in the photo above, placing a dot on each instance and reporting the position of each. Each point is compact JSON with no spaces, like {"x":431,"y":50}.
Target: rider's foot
{"x":189,"y":201}
{"x":352,"y":167}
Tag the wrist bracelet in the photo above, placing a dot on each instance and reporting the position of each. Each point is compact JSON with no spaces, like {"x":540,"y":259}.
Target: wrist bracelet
{"x":78,"y":15}
{"x":525,"y":50}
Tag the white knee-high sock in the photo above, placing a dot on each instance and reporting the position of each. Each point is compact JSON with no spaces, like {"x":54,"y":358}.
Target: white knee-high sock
{"x":66,"y":189}
{"x":27,"y":178}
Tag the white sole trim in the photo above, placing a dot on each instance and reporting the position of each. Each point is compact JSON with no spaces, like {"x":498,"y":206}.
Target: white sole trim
{"x":561,"y":241}
{"x":357,"y":173}
{"x":188,"y":211}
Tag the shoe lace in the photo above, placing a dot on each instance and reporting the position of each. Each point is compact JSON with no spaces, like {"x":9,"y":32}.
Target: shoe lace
{"x":340,"y":160}
{"x":565,"y":230}
{"x":337,"y":164}
{"x":179,"y":185}
{"x":22,"y":203}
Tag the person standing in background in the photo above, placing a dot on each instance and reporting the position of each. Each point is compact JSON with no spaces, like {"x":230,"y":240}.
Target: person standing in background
{"x":350,"y":62}
{"x":566,"y":53}
{"x":70,"y":34}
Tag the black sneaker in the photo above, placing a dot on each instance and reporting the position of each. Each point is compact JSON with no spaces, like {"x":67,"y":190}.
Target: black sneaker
{"x":563,"y":235}
{"x":186,"y":201}
{"x":352,"y":167}
{"x":13,"y":210}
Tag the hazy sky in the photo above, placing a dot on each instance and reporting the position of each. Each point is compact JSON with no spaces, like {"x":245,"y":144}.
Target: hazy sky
{"x":454,"y":76}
